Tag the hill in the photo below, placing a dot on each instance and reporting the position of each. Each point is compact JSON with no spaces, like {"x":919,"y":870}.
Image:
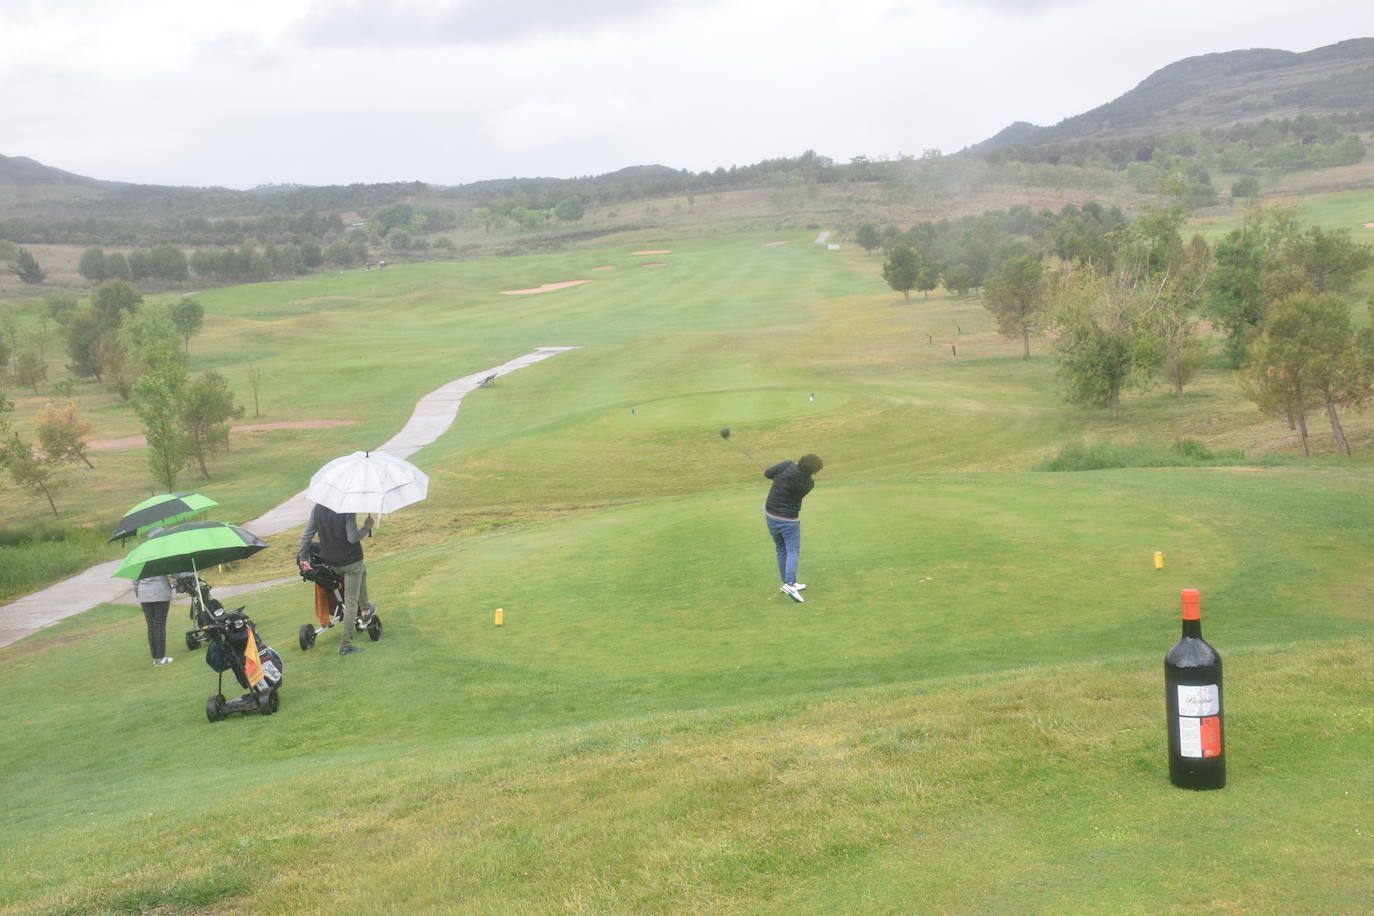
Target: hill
{"x":26,"y":172}
{"x":1217,"y":90}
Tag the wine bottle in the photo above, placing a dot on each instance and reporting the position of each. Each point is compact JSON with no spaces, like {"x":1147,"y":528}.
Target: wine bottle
{"x":1192,"y":704}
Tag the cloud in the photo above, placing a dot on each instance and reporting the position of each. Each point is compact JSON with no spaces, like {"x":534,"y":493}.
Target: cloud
{"x":382,"y":23}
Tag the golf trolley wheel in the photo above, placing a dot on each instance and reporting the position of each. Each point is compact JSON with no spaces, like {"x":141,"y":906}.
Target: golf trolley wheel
{"x":269,"y":705}
{"x":374,"y":628}
{"x":214,"y":708}
{"x":306,"y":636}
{"x":192,"y":640}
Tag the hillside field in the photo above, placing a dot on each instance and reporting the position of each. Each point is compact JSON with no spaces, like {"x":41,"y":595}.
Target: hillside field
{"x":966,"y":715}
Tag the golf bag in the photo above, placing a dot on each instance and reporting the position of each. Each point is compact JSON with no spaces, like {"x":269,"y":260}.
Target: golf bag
{"x":203,"y":608}
{"x":234,"y":645}
{"x":329,"y":603}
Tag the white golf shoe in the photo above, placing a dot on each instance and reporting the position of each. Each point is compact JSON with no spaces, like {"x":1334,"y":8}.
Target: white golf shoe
{"x":792,"y":592}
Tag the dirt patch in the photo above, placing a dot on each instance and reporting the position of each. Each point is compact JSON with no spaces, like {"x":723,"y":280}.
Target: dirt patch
{"x":291,"y":424}
{"x":542,"y":289}
{"x":653,"y":251}
{"x":1369,"y":225}
{"x":112,"y":445}
{"x":125,"y":442}
{"x":605,"y":267}
{"x":654,"y":264}
{"x":771,"y":244}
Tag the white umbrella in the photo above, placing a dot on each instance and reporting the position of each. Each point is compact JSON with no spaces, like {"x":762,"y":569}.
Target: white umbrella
{"x":372,"y":482}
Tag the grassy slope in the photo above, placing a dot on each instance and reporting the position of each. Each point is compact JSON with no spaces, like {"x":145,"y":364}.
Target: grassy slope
{"x":964,"y":716}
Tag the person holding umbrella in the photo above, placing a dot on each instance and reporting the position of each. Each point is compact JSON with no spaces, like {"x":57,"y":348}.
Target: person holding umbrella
{"x":154,"y":594}
{"x":341,"y":547}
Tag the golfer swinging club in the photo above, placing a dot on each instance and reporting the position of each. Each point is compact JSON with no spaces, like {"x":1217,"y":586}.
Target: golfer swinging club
{"x":791,"y":482}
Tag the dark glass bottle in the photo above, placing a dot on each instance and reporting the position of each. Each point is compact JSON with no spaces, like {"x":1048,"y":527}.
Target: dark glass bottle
{"x":1192,"y":705}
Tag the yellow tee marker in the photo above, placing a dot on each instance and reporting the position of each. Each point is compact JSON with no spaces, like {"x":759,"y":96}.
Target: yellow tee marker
{"x":500,"y":616}
{"x":1159,"y":559}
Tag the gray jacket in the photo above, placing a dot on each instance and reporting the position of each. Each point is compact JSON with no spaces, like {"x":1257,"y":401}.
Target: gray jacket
{"x":153,"y":588}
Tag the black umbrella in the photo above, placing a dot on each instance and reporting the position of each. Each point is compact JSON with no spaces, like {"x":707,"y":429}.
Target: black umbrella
{"x":193,"y":545}
{"x":163,"y":509}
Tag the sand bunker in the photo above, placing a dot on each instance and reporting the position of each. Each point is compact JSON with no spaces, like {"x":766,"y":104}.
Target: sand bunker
{"x":653,"y":251}
{"x":542,"y":289}
{"x":654,"y":264}
{"x":1369,"y":225}
{"x":114,"y":445}
{"x":605,"y":267}
{"x":771,"y":244}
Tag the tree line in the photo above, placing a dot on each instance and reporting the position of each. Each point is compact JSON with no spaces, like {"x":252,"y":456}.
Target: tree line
{"x":1121,"y":301}
{"x":138,"y":349}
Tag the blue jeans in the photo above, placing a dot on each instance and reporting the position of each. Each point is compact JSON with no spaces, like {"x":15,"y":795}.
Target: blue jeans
{"x":787,"y":538}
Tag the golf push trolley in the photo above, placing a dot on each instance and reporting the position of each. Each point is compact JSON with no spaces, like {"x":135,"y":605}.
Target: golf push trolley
{"x":329,"y":603}
{"x":234,"y":645}
{"x":203,"y":608}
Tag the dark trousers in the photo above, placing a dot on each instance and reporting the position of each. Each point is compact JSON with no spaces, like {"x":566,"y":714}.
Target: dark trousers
{"x":155,"y":613}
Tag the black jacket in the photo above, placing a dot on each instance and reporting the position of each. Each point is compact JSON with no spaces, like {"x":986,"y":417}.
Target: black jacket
{"x":338,"y":544}
{"x":790,"y":486}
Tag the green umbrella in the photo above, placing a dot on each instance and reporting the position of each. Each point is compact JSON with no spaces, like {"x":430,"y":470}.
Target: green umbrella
{"x":164,"y":509}
{"x":193,"y":545}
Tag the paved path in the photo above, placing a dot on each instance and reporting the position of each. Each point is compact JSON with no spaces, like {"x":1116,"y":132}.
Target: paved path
{"x":434,"y":414}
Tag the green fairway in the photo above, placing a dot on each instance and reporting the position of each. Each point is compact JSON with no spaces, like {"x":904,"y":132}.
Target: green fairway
{"x":966,"y":714}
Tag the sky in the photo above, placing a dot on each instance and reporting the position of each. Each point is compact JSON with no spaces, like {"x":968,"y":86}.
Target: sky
{"x":240,"y":93}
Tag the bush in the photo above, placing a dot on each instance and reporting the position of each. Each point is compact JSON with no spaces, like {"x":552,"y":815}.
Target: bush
{"x":34,"y":556}
{"x":1096,"y":456}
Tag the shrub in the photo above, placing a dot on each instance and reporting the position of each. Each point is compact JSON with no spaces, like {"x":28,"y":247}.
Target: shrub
{"x":1095,"y":456}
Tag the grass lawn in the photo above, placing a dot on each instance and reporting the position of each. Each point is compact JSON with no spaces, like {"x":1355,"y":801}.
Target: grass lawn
{"x":966,"y":715}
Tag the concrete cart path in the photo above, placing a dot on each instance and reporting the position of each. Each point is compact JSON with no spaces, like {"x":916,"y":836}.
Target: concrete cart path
{"x":434,"y":414}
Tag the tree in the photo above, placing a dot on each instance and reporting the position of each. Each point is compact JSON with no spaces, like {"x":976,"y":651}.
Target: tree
{"x":928,"y":276}
{"x":92,"y":265}
{"x":1309,"y":344}
{"x":156,"y":400}
{"x":167,"y":262}
{"x":867,"y":238}
{"x":958,"y":279}
{"x":206,"y":407}
{"x":1272,"y":258}
{"x":188,"y":315}
{"x":60,"y":307}
{"x":1015,"y":295}
{"x":116,"y":266}
{"x":116,"y":366}
{"x":26,"y":268}
{"x":1247,"y":186}
{"x":39,"y":476}
{"x":902,"y":269}
{"x":1106,"y":337}
{"x":114,"y":299}
{"x":254,"y":378}
{"x":84,"y":331}
{"x":62,"y":435}
{"x":30,"y":368}
{"x":149,"y":338}
{"x":4,"y":352}
{"x":570,"y":209}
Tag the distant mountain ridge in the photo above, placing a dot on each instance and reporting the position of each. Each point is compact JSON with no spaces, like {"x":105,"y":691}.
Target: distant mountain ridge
{"x":1216,"y":90}
{"x":21,"y":170}
{"x":1209,"y":90}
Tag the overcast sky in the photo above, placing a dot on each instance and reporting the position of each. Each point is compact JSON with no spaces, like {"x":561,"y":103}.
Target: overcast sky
{"x":246,"y":92}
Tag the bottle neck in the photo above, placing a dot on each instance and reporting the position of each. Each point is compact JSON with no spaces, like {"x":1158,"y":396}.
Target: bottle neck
{"x":1192,"y":629}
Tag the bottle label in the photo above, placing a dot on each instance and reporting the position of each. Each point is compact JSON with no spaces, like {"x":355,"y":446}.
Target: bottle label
{"x":1199,"y":737}
{"x":1202,"y":700}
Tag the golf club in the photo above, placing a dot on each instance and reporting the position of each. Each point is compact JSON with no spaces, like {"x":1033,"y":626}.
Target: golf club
{"x":725,"y":434}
